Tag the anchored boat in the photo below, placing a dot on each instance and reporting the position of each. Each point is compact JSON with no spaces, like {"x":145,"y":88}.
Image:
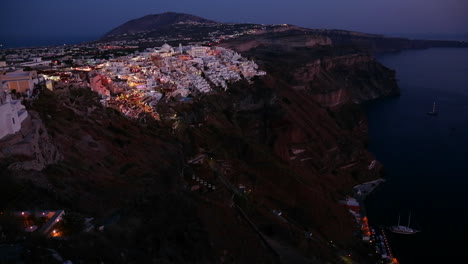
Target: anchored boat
{"x":433,"y":112}
{"x":405,"y":230}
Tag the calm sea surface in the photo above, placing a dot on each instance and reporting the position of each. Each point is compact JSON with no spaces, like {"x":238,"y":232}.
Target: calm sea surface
{"x":425,"y":157}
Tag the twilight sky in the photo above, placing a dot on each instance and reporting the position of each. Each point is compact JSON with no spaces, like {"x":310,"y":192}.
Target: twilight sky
{"x":92,"y":18}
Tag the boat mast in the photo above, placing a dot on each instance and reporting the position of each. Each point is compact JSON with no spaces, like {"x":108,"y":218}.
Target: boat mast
{"x":409,"y":219}
{"x":433,"y":108}
{"x":398,"y":219}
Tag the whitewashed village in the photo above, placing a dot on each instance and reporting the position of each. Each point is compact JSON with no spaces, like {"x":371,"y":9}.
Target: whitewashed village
{"x":135,"y":83}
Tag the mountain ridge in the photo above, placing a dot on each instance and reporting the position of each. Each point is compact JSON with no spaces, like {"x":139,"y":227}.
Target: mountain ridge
{"x":155,"y":21}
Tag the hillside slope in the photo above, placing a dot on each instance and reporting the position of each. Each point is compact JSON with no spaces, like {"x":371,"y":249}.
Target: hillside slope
{"x":292,"y":142}
{"x":153,"y":22}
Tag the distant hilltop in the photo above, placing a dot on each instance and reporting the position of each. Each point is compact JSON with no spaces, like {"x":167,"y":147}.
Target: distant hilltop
{"x":181,"y":27}
{"x":154,"y":22}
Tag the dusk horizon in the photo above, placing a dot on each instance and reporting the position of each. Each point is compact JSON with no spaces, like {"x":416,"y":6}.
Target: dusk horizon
{"x":94,"y":18}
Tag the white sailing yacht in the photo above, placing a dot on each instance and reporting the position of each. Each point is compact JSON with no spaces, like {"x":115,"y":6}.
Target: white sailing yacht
{"x":405,"y":230}
{"x":433,"y":112}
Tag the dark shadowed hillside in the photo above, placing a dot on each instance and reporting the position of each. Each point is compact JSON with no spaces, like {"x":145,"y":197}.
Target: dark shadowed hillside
{"x":295,"y":140}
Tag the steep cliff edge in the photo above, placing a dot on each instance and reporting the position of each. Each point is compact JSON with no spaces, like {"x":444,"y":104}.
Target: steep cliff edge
{"x":321,"y":131}
{"x":334,"y":74}
{"x":297,"y":157}
{"x":355,"y":78}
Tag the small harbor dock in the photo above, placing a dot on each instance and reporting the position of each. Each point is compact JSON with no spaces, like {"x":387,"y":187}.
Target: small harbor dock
{"x":375,"y":237}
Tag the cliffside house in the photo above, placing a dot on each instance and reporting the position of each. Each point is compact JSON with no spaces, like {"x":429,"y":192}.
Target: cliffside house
{"x":20,"y":81}
{"x":12,"y":113}
{"x":100,"y":84}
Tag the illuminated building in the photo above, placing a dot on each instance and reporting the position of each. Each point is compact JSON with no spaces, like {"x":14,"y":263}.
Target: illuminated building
{"x":166,"y":48}
{"x":20,"y":81}
{"x":100,"y":84}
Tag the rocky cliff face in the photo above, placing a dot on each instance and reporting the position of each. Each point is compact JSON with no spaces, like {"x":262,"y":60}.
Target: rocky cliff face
{"x":297,"y":157}
{"x":318,"y":130}
{"x":334,"y":75}
{"x":340,"y":80}
{"x":31,"y":148}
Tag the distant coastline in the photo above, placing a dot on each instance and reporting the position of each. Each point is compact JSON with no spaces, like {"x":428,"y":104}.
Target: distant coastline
{"x":11,"y":42}
{"x":452,"y":37}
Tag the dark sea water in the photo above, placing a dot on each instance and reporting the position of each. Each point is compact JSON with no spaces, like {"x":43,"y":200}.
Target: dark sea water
{"x":425,"y":157}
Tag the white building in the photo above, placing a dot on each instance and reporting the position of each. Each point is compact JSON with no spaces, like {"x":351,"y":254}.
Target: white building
{"x":198,"y":51}
{"x":36,"y":62}
{"x":118,"y":67}
{"x":12,"y":113}
{"x":166,"y":48}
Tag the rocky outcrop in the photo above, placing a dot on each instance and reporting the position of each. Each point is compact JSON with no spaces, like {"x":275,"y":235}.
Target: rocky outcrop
{"x":309,"y":60}
{"x":339,"y":80}
{"x":31,"y":148}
